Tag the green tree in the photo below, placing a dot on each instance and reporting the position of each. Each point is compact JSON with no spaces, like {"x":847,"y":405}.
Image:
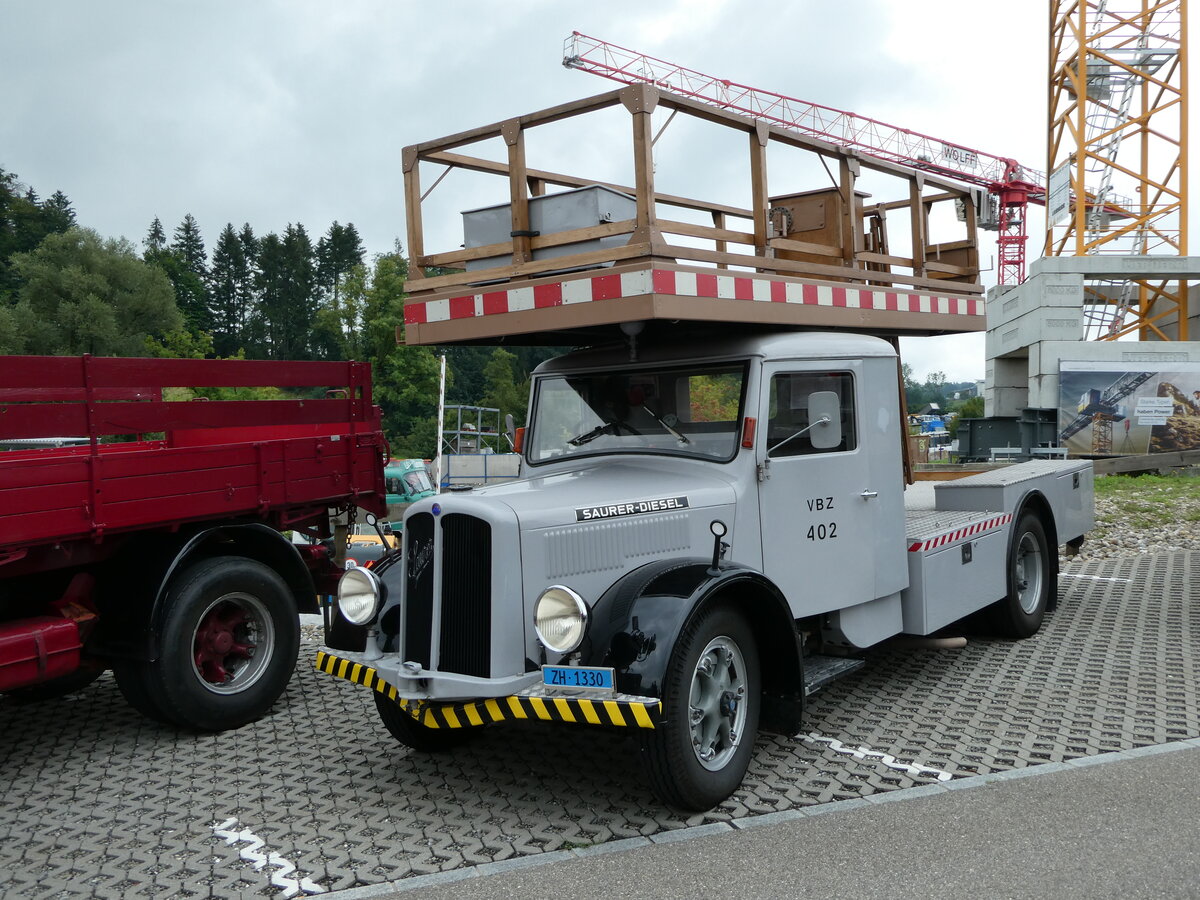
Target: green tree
{"x":58,"y":213}
{"x":25,"y":221}
{"x":971,"y":408}
{"x":228,"y":290}
{"x":81,"y":293}
{"x":502,"y":389}
{"x":338,"y":251}
{"x":155,"y":241}
{"x":186,"y":265}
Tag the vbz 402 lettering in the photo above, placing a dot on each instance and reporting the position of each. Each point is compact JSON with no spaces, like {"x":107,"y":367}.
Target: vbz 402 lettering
{"x":822,"y":532}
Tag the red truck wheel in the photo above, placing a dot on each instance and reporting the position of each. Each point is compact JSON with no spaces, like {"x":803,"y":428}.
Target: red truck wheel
{"x":229,"y":642}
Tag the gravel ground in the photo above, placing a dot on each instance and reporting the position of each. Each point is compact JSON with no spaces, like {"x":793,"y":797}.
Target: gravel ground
{"x":1147,"y":515}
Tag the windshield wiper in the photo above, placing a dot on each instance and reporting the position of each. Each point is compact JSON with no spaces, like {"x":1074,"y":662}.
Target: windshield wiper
{"x":604,"y":428}
{"x":681,"y":438}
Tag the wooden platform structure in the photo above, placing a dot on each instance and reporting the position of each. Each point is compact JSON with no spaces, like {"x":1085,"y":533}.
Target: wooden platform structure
{"x":817,"y":259}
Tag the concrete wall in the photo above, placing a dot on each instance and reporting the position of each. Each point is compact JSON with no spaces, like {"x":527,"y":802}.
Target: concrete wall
{"x":1034,"y":326}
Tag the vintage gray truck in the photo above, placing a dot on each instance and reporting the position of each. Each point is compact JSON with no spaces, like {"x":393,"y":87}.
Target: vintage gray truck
{"x":703,"y":533}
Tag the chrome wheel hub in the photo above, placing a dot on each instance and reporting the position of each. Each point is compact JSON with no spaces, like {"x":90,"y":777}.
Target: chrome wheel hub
{"x":717,"y":703}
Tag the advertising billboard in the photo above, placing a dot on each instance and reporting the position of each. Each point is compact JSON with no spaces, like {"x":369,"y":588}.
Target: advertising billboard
{"x":1125,"y":409}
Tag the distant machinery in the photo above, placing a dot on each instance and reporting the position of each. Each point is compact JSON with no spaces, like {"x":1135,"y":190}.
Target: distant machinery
{"x":1101,"y":408}
{"x":1118,"y":122}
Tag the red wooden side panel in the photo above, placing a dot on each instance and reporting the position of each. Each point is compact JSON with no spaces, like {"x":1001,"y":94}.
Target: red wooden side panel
{"x":220,"y":459}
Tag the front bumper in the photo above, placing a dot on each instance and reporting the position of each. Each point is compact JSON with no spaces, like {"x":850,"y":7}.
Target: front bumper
{"x":532,"y":703}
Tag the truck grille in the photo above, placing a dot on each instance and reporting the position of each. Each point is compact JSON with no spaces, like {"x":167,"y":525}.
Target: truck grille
{"x":464,"y":642}
{"x":418,"y":588}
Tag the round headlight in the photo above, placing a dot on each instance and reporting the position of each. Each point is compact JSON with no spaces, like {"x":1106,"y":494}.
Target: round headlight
{"x":358,"y":595}
{"x":560,"y":617}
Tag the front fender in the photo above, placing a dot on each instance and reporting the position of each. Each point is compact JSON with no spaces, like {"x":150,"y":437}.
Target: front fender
{"x":637,"y":622}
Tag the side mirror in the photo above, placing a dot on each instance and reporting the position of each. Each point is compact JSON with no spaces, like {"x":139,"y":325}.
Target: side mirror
{"x":510,"y":431}
{"x":825,"y":419}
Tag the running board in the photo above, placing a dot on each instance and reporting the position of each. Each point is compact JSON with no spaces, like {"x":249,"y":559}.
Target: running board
{"x":820,"y":670}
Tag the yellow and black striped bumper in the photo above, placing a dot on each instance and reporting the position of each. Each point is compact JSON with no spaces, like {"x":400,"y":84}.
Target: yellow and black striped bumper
{"x":624,"y":713}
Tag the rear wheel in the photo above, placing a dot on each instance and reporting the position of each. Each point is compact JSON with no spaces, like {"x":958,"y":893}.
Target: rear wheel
{"x":1020,"y":613}
{"x":408,"y":731}
{"x":229,"y":641}
{"x":699,"y":754}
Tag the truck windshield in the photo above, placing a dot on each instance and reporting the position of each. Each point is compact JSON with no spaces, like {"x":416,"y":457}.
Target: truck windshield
{"x":692,"y":411}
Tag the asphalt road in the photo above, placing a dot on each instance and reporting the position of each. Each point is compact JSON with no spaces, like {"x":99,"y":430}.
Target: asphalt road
{"x":1122,"y":825}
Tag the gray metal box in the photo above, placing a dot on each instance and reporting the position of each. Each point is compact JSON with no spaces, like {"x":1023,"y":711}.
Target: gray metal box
{"x":1066,"y":484}
{"x":550,"y":214}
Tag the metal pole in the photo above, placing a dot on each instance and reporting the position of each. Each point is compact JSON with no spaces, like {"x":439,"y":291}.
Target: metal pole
{"x":437,"y":461}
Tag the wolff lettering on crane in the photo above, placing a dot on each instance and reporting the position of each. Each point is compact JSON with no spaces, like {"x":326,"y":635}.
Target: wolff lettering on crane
{"x":635,"y":508}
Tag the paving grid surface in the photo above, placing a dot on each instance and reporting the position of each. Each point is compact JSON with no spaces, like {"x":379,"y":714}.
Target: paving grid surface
{"x":95,"y":801}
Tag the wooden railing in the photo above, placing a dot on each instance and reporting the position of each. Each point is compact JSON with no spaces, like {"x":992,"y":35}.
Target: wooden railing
{"x":857,"y":250}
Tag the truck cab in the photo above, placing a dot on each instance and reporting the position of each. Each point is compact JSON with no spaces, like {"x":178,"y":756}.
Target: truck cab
{"x":695,"y":522}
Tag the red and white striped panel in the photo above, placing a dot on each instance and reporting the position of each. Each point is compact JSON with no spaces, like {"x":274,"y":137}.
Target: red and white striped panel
{"x":959,"y":533}
{"x":755,"y":288}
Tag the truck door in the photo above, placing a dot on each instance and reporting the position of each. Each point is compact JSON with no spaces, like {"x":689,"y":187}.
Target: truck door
{"x":815,"y":498}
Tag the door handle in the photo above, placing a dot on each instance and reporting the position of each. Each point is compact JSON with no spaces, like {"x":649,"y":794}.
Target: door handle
{"x":868,"y":495}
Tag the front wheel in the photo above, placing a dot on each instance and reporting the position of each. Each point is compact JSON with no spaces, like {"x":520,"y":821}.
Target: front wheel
{"x":700,"y":752}
{"x":230,"y":637}
{"x":411,"y":733}
{"x":1020,"y":613}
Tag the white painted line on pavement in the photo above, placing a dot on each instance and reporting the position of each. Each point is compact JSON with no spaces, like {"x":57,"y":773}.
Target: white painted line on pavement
{"x":1093,"y":577}
{"x":866,"y":753}
{"x":250,"y":853}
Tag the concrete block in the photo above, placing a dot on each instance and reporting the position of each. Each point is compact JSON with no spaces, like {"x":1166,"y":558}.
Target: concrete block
{"x":1038,"y":292}
{"x":1010,"y":372}
{"x":1046,"y":323}
{"x":1007,"y":401}
{"x":1043,"y":391}
{"x":1045,"y":357}
{"x":1170,"y":267}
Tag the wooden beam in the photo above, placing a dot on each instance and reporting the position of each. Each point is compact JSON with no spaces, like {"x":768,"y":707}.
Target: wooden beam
{"x":641,"y":103}
{"x":412,"y":212}
{"x":759,"y":196}
{"x":814,"y":270}
{"x":518,"y":192}
{"x":474,"y":164}
{"x":542,"y":117}
{"x":537,"y":267}
{"x":455,"y":257}
{"x":916,"y":212}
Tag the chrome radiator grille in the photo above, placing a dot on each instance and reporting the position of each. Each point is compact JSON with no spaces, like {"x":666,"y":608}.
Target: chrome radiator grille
{"x":465,"y":628}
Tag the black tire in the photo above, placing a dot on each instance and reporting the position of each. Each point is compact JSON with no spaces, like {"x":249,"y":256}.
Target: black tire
{"x":59,"y":687}
{"x":1020,"y":613}
{"x":229,"y":641}
{"x":416,"y":736}
{"x":726,"y":722}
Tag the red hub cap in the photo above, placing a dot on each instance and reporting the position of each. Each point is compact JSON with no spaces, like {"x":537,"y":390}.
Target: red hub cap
{"x":222,"y":643}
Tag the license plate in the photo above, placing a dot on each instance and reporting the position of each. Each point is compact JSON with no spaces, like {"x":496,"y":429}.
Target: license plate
{"x":576,"y":677}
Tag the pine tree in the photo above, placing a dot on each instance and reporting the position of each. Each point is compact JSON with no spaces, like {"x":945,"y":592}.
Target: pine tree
{"x":188,"y":245}
{"x":269,"y":282}
{"x":299,"y":293}
{"x":25,"y":221}
{"x":155,"y":241}
{"x":249,"y":319}
{"x":224,"y":290}
{"x":59,"y":216}
{"x":188,"y":272}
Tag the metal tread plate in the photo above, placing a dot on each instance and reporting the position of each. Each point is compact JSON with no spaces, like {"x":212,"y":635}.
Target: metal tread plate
{"x":1014,"y":474}
{"x":96,"y":801}
{"x":925,"y":524}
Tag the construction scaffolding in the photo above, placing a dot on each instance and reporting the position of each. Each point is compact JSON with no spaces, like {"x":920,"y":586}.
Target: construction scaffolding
{"x":1118,"y":155}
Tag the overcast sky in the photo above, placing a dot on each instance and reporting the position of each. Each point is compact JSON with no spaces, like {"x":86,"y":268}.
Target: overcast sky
{"x":277,"y":112}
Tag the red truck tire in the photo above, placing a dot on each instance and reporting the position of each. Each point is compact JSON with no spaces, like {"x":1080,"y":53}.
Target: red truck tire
{"x":229,"y":641}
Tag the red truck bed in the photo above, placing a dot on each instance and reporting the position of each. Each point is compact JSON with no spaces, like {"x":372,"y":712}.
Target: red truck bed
{"x":187,"y":460}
